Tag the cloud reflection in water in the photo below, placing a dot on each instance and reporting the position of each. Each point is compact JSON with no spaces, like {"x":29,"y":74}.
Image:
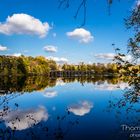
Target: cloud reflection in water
{"x":23,"y":119}
{"x":82,"y":108}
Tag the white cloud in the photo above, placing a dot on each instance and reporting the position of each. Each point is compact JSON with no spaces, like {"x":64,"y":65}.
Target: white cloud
{"x":84,"y":36}
{"x":3,"y":48}
{"x":81,"y":108}
{"x":39,"y":114}
{"x":60,"y":60}
{"x":24,"y":24}
{"x":16,"y":54}
{"x":109,"y":56}
{"x":138,"y":3}
{"x":25,"y":51}
{"x":50,"y":94}
{"x":50,"y":48}
{"x":127,"y":58}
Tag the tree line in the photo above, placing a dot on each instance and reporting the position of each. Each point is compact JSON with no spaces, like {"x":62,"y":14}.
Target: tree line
{"x":10,"y":65}
{"x":13,"y":84}
{"x":23,"y":65}
{"x":100,"y":68}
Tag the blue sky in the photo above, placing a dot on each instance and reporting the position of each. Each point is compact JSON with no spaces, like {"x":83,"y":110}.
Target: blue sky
{"x":63,"y":40}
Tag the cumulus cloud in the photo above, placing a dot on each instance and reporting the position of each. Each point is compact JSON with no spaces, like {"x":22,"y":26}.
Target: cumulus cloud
{"x":50,"y":48}
{"x":109,"y":56}
{"x":111,"y":87}
{"x":60,"y":60}
{"x":127,"y":58}
{"x":138,"y":3}
{"x":16,"y":54}
{"x":39,"y":114}
{"x":84,"y":36}
{"x":24,"y":24}
{"x":50,"y":94}
{"x":81,"y":108}
{"x":3,"y":48}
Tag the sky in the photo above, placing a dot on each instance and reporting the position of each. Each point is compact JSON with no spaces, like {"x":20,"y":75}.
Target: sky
{"x":39,"y":27}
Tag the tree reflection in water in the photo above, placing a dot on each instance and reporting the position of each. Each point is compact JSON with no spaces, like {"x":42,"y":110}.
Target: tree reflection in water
{"x":30,"y":123}
{"x":126,"y":106}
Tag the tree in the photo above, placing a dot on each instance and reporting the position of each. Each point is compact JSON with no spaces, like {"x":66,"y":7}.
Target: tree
{"x":82,"y":5}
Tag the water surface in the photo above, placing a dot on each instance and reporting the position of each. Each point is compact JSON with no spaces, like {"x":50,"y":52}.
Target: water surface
{"x":67,"y":108}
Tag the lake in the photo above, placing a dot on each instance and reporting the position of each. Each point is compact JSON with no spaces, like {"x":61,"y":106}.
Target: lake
{"x":81,"y":108}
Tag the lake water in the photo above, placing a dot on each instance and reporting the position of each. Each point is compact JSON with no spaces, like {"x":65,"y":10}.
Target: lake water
{"x":70,"y":109}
